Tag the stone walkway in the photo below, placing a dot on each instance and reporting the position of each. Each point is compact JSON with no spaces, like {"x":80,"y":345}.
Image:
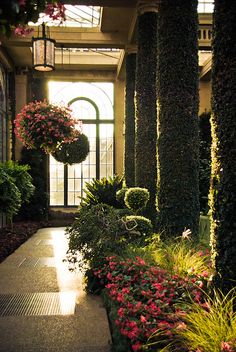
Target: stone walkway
{"x":43,"y":307}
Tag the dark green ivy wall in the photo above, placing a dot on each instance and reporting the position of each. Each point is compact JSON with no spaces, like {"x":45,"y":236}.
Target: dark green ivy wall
{"x":146,"y":113}
{"x":223,"y":183}
{"x":178,"y":141}
{"x":129,"y":157}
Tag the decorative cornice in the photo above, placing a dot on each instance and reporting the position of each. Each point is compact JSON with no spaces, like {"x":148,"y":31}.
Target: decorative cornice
{"x":148,"y":6}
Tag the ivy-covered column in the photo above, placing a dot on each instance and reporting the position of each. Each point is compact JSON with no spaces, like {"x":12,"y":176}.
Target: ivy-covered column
{"x":129,"y":157}
{"x":178,"y":141}
{"x":223,"y":173}
{"x":146,"y":112}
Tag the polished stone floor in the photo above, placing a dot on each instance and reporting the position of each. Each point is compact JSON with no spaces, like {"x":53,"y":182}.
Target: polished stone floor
{"x":43,"y":307}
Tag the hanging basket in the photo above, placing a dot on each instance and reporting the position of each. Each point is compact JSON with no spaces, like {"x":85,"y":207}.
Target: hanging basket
{"x":41,"y":125}
{"x":73,"y":152}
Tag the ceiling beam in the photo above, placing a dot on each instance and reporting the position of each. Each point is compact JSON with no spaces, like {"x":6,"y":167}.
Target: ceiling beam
{"x":75,"y":38}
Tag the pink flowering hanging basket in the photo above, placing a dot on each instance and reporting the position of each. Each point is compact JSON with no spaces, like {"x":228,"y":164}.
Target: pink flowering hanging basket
{"x":43,"y":125}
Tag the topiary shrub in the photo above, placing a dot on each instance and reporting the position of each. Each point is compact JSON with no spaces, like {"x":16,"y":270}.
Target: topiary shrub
{"x":120,"y":196}
{"x":102,"y":191}
{"x":138,"y":229}
{"x":136,"y":198}
{"x":73,"y":152}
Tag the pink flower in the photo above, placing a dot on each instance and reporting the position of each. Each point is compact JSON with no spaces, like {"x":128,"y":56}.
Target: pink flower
{"x":109,"y":276}
{"x":22,"y":31}
{"x":21,"y":2}
{"x":225,"y":346}
{"x":137,"y":346}
{"x":181,"y":326}
{"x":141,"y":261}
{"x":143,"y":319}
{"x":121,"y":312}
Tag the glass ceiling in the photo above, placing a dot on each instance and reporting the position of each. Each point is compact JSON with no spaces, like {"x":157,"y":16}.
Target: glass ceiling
{"x":90,"y":16}
{"x":76,"y":16}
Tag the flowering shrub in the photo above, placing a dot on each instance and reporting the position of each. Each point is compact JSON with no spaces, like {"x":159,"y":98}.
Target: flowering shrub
{"x":43,"y":125}
{"x":147,"y":299}
{"x":17,"y":13}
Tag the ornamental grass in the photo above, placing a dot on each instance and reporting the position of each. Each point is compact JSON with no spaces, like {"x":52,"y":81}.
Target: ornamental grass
{"x":211,"y":327}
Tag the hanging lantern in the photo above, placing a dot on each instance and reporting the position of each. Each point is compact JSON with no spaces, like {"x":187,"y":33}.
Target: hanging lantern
{"x":43,"y":52}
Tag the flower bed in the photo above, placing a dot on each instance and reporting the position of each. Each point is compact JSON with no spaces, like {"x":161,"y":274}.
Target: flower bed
{"x":147,"y":300}
{"x":11,"y":237}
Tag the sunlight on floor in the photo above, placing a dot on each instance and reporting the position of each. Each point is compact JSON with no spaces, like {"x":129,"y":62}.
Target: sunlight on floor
{"x":69,"y":283}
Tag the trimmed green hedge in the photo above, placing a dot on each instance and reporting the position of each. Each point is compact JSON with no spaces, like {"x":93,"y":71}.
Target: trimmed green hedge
{"x":146,"y":111}
{"x":223,"y":183}
{"x":178,"y":142}
{"x":129,"y":165}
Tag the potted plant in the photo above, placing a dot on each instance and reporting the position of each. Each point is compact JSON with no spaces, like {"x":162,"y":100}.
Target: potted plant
{"x":43,"y":125}
{"x":74,"y":151}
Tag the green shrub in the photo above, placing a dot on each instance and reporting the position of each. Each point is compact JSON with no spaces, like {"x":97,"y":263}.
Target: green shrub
{"x":94,"y":235}
{"x":37,"y":208}
{"x":120,"y":196}
{"x":138,"y":229}
{"x":211,"y":327}
{"x":21,"y":177}
{"x":102,"y":191}
{"x":10,"y":196}
{"x":136,"y":198}
{"x":124,"y":211}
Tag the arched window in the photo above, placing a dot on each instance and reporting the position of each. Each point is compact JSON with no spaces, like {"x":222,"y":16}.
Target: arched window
{"x":95,"y":109}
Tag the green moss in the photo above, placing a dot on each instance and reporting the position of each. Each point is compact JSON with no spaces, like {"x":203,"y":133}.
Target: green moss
{"x":178,"y":142}
{"x":146,"y":112}
{"x":223,"y":182}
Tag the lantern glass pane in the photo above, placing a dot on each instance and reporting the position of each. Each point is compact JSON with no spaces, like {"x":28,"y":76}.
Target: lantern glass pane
{"x":42,"y":62}
{"x":50,"y":53}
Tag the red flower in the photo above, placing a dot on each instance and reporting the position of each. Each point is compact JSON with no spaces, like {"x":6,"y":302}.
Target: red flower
{"x":137,"y":346}
{"x":143,"y":319}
